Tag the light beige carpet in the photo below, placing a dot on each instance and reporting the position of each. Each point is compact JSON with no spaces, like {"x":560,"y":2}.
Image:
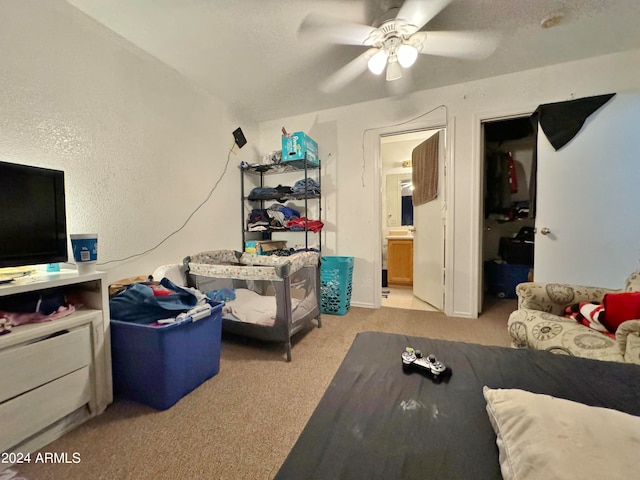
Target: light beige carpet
{"x":242,"y":423}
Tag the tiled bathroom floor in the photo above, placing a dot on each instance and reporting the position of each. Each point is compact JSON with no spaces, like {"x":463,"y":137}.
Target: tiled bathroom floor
{"x":402,"y":297}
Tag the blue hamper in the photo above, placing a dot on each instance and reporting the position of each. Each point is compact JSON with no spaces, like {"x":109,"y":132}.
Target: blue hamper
{"x":502,"y":278}
{"x":336,"y":284}
{"x":158,"y":365}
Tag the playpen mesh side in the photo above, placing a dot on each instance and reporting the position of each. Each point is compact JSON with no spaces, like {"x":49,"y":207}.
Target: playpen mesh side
{"x":336,"y":275}
{"x":294,"y":299}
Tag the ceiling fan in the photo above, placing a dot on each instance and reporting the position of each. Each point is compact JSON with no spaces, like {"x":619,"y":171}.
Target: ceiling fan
{"x":395,"y":39}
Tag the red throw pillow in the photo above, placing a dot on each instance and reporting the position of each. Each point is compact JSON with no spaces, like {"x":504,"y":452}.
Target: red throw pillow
{"x":620,"y":307}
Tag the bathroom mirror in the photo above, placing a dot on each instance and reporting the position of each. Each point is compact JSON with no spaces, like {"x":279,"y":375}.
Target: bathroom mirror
{"x":399,"y":203}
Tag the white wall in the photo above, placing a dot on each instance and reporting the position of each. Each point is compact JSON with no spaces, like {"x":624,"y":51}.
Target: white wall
{"x":140,"y":146}
{"x":351,"y":168}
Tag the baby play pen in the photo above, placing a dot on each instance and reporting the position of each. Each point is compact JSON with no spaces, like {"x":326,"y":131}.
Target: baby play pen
{"x":266,"y":297}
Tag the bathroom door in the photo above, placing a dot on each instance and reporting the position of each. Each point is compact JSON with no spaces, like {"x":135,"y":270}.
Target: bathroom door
{"x":428,"y":241}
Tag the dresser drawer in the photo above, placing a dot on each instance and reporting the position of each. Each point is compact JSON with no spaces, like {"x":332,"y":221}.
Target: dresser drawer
{"x":29,"y":366}
{"x":33,"y":411}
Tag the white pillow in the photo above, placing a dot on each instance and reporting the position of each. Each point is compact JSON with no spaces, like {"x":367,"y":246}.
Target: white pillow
{"x":174,"y":272}
{"x":543,"y":437}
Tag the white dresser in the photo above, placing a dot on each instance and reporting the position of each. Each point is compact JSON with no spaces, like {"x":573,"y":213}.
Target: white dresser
{"x":57,"y":374}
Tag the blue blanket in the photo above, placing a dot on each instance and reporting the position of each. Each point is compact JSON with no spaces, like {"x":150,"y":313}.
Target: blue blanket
{"x":137,"y":303}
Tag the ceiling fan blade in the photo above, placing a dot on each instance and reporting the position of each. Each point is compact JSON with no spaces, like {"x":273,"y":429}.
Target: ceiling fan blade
{"x":419,"y":12}
{"x":464,"y":45}
{"x":348,"y":73}
{"x":335,"y":30}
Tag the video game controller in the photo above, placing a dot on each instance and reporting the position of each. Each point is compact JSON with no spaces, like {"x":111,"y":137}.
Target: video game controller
{"x":412,"y":358}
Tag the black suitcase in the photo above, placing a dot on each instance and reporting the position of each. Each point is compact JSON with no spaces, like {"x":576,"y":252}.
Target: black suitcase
{"x":519,"y":249}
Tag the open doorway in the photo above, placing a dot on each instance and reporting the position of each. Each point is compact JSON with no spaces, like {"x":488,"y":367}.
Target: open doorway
{"x":403,"y":286}
{"x":508,"y":209}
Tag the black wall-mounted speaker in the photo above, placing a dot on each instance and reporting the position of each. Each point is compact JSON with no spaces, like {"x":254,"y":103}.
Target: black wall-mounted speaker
{"x":241,"y":141}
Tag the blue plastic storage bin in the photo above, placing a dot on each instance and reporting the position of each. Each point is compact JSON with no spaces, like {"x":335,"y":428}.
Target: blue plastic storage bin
{"x":336,"y":276}
{"x":158,"y":365}
{"x":502,"y":278}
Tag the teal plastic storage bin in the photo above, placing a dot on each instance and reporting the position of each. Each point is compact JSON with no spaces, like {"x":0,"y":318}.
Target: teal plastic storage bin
{"x":336,"y":274}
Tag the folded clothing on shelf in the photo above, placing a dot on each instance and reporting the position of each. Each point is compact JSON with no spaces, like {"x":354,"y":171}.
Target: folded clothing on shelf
{"x":304,"y":223}
{"x":307,"y":185}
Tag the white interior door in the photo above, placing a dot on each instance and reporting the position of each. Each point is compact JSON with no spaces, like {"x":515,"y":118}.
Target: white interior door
{"x":428,"y":241}
{"x":588,"y":192}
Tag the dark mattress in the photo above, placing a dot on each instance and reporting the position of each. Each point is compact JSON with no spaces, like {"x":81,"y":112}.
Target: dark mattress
{"x":376,"y":422}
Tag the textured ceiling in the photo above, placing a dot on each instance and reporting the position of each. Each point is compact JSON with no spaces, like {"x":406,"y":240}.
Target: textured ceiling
{"x":249,"y":52}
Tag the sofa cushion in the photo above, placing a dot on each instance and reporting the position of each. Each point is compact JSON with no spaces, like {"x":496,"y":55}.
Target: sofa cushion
{"x":632,"y":284}
{"x":628,"y":337}
{"x":556,"y":334}
{"x":543,"y":437}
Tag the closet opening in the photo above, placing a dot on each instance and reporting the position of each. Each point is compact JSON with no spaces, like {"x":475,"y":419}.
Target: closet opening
{"x":508,"y":208}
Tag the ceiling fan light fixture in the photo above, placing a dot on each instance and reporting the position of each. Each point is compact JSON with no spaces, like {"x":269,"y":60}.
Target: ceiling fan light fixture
{"x":377,"y":62}
{"x":394,"y":70}
{"x":407,"y":55}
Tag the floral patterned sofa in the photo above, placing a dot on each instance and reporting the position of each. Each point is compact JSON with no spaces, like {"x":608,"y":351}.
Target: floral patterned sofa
{"x":539,"y":322}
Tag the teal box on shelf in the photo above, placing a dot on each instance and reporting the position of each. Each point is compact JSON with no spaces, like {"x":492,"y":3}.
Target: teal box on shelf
{"x":298,"y":146}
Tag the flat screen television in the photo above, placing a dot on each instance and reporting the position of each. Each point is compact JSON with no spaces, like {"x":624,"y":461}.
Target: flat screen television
{"x":33,"y":227}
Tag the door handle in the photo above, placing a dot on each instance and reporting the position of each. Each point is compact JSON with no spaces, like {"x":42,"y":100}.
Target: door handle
{"x":545,"y":231}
